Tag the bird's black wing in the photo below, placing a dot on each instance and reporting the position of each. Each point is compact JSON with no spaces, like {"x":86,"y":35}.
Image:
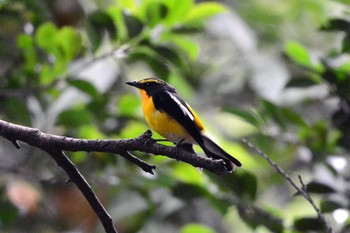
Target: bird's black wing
{"x":177,"y":108}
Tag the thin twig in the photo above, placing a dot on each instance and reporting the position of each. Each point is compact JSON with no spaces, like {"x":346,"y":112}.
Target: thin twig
{"x":76,"y":177}
{"x":119,"y":52}
{"x":301,"y":190}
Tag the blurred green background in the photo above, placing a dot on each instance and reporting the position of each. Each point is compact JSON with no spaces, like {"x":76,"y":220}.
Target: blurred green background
{"x":275,"y":72}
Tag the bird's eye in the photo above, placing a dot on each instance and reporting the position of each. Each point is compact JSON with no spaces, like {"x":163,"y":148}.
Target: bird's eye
{"x":148,"y":84}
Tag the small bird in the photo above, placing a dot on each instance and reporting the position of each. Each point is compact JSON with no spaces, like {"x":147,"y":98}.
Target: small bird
{"x":171,"y":117}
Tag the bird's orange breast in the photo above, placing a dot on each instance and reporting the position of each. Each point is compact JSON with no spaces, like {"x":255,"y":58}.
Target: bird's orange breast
{"x":162,"y":123}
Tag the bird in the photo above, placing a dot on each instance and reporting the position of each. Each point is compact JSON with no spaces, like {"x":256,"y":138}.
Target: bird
{"x":172,"y":118}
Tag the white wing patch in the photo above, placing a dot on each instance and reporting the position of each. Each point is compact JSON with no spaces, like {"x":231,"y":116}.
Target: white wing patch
{"x":183,"y":108}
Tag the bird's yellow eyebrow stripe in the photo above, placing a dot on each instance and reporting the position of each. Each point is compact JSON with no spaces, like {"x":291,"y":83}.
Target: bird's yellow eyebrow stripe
{"x":150,"y":80}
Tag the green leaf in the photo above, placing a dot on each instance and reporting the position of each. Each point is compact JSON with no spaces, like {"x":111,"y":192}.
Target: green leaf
{"x":308,"y":224}
{"x":128,"y":105}
{"x":170,"y":54}
{"x":328,"y":206}
{"x":320,"y":188}
{"x":178,"y":10}
{"x":273,"y":112}
{"x":46,"y":36}
{"x":188,"y":192}
{"x":298,"y":54}
{"x":101,"y":20}
{"x":117,"y":16}
{"x":75,"y":117}
{"x":187,"y":174}
{"x":242,"y":183}
{"x":203,"y":11}
{"x":248,"y":116}
{"x":337,"y":25}
{"x":301,"y":82}
{"x":155,"y":12}
{"x":346,"y":44}
{"x":26,"y":43}
{"x":293,"y":117}
{"x":189,"y":47}
{"x":156,"y":63}
{"x":8,"y":215}
{"x":134,"y":26}
{"x":69,"y":41}
{"x":90,"y":131}
{"x":196,"y":228}
{"x":255,"y":217}
{"x":84,"y":86}
{"x":46,"y":75}
{"x":98,"y":23}
{"x":17,"y":111}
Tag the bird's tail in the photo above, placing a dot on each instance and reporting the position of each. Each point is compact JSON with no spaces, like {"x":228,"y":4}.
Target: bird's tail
{"x":213,"y":150}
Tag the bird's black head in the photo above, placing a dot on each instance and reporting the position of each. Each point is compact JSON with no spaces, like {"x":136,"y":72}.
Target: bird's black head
{"x":151,"y":85}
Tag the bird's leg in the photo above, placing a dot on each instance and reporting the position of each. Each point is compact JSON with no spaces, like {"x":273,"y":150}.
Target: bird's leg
{"x":184,"y":146}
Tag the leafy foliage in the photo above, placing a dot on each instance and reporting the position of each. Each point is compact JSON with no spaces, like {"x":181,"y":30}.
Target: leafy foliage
{"x":63,"y":72}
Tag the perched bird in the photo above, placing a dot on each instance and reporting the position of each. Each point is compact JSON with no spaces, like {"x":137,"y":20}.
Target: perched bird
{"x":171,"y":117}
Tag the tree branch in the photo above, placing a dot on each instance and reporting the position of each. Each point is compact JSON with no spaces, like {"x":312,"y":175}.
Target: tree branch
{"x":301,"y":190}
{"x":55,"y":145}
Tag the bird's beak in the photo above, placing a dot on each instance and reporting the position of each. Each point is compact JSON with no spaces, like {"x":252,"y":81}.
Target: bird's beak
{"x":134,"y":83}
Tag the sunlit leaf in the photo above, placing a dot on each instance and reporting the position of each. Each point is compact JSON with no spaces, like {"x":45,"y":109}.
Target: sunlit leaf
{"x":78,"y":156}
{"x":69,"y":41}
{"x":297,"y":53}
{"x":90,"y":131}
{"x":155,"y":12}
{"x":117,"y":16}
{"x":204,"y":10}
{"x":46,"y":75}
{"x":196,"y":228}
{"x":26,"y":43}
{"x":178,"y":10}
{"x":133,"y":129}
{"x":187,"y":174}
{"x":45,"y":36}
{"x":189,"y":47}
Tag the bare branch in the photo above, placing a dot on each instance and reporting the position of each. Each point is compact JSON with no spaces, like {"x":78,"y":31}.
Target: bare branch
{"x":55,"y":145}
{"x":301,"y":190}
{"x":75,"y":176}
{"x":142,"y":143}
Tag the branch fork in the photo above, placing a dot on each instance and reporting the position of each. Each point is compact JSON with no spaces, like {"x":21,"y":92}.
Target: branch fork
{"x":55,"y":146}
